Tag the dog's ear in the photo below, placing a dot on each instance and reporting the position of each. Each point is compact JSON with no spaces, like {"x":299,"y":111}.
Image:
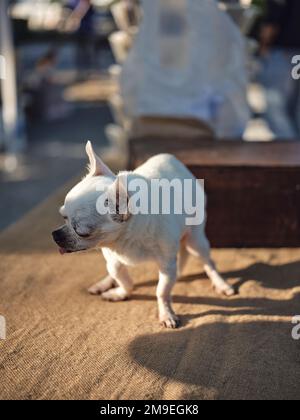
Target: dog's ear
{"x":118,"y":199}
{"x":97,"y":166}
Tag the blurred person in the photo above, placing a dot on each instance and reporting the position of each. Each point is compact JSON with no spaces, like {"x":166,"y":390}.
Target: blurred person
{"x":81,"y":22}
{"x":188,"y":61}
{"x":43,"y":98}
{"x":39,"y":85}
{"x":279,"y":43}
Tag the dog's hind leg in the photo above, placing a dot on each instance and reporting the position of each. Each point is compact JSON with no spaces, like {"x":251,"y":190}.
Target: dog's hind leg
{"x":167,"y":279}
{"x":198,"y":245}
{"x":182,"y":258}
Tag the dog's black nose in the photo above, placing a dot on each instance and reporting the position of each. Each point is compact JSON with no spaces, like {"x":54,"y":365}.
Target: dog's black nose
{"x":58,"y":236}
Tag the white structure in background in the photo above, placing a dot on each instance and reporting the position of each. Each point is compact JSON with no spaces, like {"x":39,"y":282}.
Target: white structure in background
{"x":40,"y":14}
{"x":188,"y":60}
{"x":8,"y":82}
{"x":121,"y":42}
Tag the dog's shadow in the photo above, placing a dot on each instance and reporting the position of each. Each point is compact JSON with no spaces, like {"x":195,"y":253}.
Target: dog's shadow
{"x":236,"y":360}
{"x":252,"y":356}
{"x":280,"y":277}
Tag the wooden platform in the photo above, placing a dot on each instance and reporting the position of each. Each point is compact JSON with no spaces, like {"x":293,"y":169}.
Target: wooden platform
{"x":63,"y":343}
{"x":253,"y":188}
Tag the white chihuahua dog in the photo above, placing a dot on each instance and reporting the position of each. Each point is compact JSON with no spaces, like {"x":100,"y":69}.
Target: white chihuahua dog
{"x":128,"y":239}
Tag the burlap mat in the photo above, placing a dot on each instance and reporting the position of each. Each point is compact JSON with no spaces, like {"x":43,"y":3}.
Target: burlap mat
{"x":63,"y":343}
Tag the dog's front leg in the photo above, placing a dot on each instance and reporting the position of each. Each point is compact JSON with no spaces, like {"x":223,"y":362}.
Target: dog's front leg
{"x":102,"y":286}
{"x":119,"y":273}
{"x":167,"y":279}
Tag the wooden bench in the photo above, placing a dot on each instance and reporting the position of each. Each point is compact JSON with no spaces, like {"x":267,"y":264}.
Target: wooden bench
{"x":253,"y":188}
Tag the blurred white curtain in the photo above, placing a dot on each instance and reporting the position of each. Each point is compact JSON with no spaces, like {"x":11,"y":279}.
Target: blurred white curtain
{"x":188,"y":60}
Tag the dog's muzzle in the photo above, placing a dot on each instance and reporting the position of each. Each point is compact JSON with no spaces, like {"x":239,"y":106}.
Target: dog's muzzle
{"x":66,"y":243}
{"x":63,"y":240}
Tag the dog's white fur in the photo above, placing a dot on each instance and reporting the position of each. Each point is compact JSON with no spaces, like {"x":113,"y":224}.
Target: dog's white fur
{"x":164,"y":239}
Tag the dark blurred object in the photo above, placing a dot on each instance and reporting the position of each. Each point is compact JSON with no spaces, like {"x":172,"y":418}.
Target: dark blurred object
{"x":281,"y":26}
{"x":39,"y":86}
{"x":243,"y":210}
{"x":279,"y":43}
{"x":45,"y":21}
{"x":44,"y":100}
{"x":81,"y":22}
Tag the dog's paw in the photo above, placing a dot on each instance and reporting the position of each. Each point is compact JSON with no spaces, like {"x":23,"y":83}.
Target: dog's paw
{"x":169,"y":321}
{"x":115,"y":295}
{"x":102,"y":286}
{"x":226,"y":290}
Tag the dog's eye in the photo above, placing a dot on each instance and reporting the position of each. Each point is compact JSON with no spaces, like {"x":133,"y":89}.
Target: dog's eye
{"x":83,"y":235}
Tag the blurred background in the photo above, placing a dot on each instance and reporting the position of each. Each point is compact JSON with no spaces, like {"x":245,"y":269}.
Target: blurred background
{"x":108,"y":71}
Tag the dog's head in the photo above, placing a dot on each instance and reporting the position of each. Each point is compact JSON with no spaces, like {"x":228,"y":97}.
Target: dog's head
{"x":92,"y":209}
